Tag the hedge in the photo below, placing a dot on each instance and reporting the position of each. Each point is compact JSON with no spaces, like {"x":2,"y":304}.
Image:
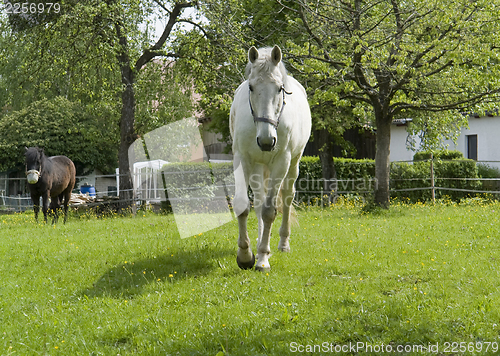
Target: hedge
{"x":447,"y":174}
{"x":196,"y":183}
{"x":353,"y":177}
{"x":357,"y":176}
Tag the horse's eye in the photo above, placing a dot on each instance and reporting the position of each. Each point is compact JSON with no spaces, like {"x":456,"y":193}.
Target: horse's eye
{"x":250,"y":87}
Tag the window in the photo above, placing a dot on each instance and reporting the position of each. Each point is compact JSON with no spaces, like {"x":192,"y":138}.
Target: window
{"x":472,"y":147}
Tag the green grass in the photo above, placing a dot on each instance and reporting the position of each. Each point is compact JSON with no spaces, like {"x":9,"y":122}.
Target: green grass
{"x":415,"y":275}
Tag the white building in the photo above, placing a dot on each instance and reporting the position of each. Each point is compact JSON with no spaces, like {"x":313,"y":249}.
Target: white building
{"x":480,"y":141}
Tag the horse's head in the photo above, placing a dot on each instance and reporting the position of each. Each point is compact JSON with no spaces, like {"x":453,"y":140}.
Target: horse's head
{"x":266,"y":84}
{"x":33,"y":164}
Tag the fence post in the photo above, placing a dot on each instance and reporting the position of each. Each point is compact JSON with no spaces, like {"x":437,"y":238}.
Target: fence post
{"x":433,"y":190}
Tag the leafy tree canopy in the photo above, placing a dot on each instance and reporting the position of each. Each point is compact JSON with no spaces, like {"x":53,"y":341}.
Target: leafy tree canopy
{"x":87,"y":135}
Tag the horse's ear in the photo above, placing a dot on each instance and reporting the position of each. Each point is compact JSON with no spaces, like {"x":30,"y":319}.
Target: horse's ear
{"x":276,"y":55}
{"x":253,"y":54}
{"x":25,"y":149}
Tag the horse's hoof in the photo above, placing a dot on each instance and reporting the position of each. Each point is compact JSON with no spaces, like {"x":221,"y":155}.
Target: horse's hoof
{"x":285,"y":249}
{"x":246,"y":265}
{"x":263,"y":268}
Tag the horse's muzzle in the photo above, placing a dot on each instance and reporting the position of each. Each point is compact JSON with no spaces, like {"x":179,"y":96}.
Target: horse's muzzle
{"x":32,"y":176}
{"x":267,"y":144}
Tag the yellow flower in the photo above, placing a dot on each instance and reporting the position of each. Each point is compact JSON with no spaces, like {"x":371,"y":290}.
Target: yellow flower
{"x":170,"y":275}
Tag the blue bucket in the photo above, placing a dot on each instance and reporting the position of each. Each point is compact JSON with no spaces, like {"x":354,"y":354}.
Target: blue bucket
{"x":87,"y":189}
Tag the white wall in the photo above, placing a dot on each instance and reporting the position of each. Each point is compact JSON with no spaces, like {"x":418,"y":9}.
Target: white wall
{"x":486,"y":128}
{"x":399,"y":148}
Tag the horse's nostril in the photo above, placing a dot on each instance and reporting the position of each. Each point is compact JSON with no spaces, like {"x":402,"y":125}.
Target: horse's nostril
{"x":266,"y":145}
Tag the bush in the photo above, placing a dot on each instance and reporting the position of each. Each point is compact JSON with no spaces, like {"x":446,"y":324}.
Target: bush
{"x":88,"y":135}
{"x":353,"y":177}
{"x":439,"y":155}
{"x":488,"y":172}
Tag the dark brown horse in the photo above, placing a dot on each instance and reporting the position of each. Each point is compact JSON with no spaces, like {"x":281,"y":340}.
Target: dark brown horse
{"x":49,"y":176}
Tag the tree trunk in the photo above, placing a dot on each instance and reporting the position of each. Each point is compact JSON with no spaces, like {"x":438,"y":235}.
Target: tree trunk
{"x":324,"y":143}
{"x":127,"y":131}
{"x":382,"y":162}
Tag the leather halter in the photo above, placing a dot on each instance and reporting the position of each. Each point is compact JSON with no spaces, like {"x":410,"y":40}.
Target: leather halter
{"x":33,"y":171}
{"x":275,"y":123}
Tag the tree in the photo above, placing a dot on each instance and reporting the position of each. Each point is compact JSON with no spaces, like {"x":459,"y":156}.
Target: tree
{"x":216,"y":55}
{"x":87,"y":135}
{"x":100,"y":37}
{"x":219,"y":59}
{"x":394,"y":59}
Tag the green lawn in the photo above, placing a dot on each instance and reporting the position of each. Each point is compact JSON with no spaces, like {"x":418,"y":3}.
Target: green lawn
{"x":415,"y":276}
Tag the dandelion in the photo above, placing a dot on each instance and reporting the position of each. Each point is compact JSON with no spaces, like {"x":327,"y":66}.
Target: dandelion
{"x":171,"y":276}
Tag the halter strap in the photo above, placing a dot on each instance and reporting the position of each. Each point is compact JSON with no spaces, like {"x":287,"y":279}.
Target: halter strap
{"x":275,"y":123}
{"x":33,"y":171}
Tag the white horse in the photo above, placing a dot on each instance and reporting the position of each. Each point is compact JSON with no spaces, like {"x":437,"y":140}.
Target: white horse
{"x":268,"y":140}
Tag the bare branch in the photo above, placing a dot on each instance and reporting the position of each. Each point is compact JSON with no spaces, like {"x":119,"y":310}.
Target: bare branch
{"x":150,"y":53}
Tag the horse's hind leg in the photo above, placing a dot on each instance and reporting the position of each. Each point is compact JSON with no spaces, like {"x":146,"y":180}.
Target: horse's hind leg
{"x":53,"y":208}
{"x":241,"y":206}
{"x":67,"y":196}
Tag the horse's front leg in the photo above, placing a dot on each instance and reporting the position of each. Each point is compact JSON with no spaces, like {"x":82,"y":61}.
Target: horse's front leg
{"x":269,"y":210}
{"x":287,"y":193}
{"x":241,"y":207}
{"x":36,"y":205}
{"x":258,"y":183}
{"x":45,"y":205}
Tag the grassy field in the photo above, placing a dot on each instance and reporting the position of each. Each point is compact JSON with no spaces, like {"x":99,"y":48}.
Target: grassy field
{"x":416,"y":279}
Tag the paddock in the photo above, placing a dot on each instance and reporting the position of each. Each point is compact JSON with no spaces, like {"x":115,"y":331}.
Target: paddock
{"x":414,"y":276}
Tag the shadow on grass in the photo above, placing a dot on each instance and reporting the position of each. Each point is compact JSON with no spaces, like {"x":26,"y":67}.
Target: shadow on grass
{"x":129,"y":278}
